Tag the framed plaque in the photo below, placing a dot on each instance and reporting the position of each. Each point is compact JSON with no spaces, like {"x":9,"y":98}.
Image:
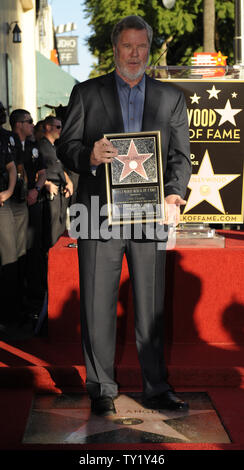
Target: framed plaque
{"x":134,"y":180}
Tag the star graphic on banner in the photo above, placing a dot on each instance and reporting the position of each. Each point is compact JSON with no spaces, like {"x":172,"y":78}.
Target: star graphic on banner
{"x":234,"y":94}
{"x":195,"y":98}
{"x":133,"y":161}
{"x":227,"y":114}
{"x":220,"y":59}
{"x":213,"y":93}
{"x":205,"y":186}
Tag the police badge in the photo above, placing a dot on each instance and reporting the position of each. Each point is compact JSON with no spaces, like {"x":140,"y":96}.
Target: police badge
{"x":35,"y":153}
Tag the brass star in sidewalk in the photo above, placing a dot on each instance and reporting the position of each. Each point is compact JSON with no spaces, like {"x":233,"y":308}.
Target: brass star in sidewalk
{"x":133,"y":161}
{"x":129,"y":414}
{"x":67,"y":419}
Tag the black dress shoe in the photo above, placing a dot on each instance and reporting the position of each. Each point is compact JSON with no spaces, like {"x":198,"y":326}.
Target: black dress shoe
{"x":166,"y":400}
{"x":103,"y":406}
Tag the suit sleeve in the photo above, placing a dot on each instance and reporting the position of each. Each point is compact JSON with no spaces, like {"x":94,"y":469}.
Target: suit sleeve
{"x":179,"y":169}
{"x":74,"y":155}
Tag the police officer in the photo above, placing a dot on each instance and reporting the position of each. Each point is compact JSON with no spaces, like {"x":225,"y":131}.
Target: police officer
{"x":58,"y":185}
{"x":34,"y":168}
{"x":8,"y":245}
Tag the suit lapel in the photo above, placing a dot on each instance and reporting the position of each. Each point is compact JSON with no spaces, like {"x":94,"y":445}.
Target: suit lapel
{"x":113,"y":120}
{"x":151,"y":106}
{"x":110,"y":99}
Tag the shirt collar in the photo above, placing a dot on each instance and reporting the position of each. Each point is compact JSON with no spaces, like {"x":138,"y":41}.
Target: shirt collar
{"x":122,"y":83}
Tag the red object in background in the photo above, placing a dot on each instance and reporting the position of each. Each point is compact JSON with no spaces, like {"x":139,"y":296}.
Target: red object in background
{"x":54,"y":56}
{"x":213,"y":59}
{"x":204,"y":290}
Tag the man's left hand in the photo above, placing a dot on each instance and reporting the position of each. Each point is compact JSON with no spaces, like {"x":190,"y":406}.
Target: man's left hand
{"x":68,"y":190}
{"x":172,"y":209}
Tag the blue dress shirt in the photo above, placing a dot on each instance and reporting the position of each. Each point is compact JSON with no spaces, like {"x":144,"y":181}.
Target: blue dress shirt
{"x":132,"y":103}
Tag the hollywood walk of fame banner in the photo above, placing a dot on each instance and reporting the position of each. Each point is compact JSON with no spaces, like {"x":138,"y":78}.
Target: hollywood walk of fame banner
{"x":134,"y":180}
{"x":216,"y":122}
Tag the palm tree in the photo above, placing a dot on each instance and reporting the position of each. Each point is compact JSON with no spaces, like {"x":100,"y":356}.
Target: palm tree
{"x":209,"y":26}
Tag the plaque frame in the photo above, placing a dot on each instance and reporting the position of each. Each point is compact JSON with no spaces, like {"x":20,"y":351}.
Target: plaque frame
{"x":134,"y":189}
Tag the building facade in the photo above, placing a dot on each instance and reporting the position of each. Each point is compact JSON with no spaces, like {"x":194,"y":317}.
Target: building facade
{"x":25,"y":65}
{"x":18,"y":60}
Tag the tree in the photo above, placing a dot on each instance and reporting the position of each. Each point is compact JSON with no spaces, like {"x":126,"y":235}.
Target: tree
{"x":209,"y":25}
{"x":180,"y":27}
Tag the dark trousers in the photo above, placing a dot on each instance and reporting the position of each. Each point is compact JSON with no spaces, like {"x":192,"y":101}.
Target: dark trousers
{"x":20,"y":213}
{"x":36,"y":265}
{"x":100,"y":268}
{"x":13,"y":241}
{"x":54,"y":219}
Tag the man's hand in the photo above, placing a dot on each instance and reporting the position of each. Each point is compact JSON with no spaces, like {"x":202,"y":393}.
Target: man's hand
{"x":51,"y":187}
{"x":4,"y":195}
{"x":68,"y":190}
{"x":172,"y":209}
{"x":103,"y":152}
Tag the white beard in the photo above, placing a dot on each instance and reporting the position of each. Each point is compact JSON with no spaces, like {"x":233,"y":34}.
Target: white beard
{"x":126,"y":73}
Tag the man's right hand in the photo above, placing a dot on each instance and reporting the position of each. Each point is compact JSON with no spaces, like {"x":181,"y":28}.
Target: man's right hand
{"x":103,"y":152}
{"x":4,"y":195}
{"x":51,"y":187}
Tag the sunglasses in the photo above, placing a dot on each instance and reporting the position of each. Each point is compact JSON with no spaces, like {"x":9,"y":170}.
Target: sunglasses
{"x":30,"y":121}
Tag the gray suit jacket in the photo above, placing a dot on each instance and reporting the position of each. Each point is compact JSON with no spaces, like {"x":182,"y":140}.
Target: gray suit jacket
{"x":94,"y":110}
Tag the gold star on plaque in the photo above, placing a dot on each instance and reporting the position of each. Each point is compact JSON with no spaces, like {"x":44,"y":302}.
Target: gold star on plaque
{"x":133,"y":161}
{"x":205,"y":186}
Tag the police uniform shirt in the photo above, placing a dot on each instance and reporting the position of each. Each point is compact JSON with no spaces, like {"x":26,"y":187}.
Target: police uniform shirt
{"x":8,"y":230}
{"x":33,"y":162}
{"x":14,"y":144}
{"x":6,"y":156}
{"x":54,"y":167}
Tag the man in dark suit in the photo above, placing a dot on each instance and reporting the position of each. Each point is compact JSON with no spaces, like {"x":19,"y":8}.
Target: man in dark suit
{"x":125,"y":100}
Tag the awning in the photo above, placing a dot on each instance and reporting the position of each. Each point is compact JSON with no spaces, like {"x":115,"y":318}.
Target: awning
{"x":54,"y":85}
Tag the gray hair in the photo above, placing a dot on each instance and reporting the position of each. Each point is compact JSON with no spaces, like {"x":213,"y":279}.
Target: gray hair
{"x":131,"y":22}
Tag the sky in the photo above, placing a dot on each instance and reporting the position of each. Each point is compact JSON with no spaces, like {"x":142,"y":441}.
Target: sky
{"x":72,"y":11}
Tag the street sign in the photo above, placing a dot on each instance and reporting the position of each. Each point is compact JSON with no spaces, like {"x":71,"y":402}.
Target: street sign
{"x":67,"y":47}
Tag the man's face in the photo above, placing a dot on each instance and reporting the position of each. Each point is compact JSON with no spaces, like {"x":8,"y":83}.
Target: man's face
{"x":131,"y":53}
{"x":27,"y":125}
{"x":55,"y":129}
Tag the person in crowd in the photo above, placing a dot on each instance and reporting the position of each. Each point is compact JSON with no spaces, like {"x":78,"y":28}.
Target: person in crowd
{"x":32,"y":165}
{"x":8,"y":244}
{"x":123,"y":101}
{"x":16,"y":270}
{"x":38,"y":130}
{"x":58,"y":185}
